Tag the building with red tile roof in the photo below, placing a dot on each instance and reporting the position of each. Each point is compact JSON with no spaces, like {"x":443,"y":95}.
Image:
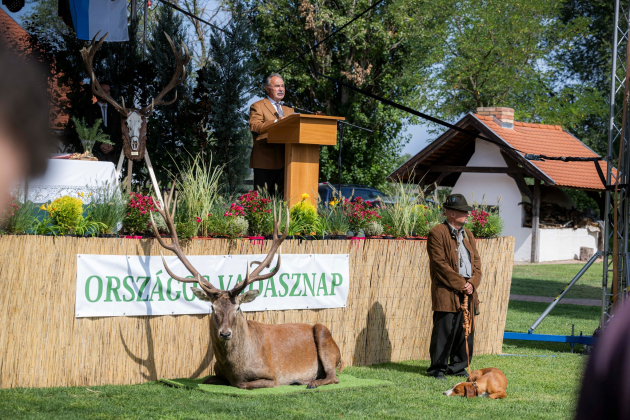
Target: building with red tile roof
{"x":495,"y":171}
{"x":13,"y":35}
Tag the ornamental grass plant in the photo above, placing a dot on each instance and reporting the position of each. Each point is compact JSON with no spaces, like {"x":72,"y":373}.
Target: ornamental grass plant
{"x":335,"y":221}
{"x":108,"y":205}
{"x":198,"y":190}
{"x":275,"y":202}
{"x":19,"y":218}
{"x":403,"y":210}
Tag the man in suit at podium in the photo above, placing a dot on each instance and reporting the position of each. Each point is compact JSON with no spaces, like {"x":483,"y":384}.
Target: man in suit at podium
{"x":111,"y":125}
{"x":268,"y":159}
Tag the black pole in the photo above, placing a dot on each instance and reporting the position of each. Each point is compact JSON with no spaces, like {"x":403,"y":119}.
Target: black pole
{"x":340,"y":127}
{"x":144,"y":32}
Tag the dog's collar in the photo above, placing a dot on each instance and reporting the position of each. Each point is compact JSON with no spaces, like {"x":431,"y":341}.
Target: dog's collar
{"x":476,"y":390}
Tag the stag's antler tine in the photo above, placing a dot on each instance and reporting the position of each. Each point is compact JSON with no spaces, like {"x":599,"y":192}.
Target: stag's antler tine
{"x":175,"y":276}
{"x":175,"y":248}
{"x":178,"y":76}
{"x":88,"y":57}
{"x":275,"y":248}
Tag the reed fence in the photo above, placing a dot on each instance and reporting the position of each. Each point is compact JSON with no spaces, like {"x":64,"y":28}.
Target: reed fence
{"x":387,"y":317}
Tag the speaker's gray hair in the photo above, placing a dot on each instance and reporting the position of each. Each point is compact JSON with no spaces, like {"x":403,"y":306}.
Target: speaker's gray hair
{"x":268,"y":79}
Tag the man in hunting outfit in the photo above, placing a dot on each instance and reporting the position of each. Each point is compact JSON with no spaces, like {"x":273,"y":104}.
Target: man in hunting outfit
{"x":455,"y":270}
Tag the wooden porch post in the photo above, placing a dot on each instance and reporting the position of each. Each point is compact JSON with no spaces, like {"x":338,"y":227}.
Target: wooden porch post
{"x":535,"y":221}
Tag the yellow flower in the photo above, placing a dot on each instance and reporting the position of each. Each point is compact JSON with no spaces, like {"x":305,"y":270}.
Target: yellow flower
{"x":80,"y":194}
{"x":305,"y":196}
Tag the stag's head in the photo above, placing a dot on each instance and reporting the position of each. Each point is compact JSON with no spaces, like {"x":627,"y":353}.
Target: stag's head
{"x":225,"y":308}
{"x":226,"y":304}
{"x":135,"y":119}
{"x":135,"y":129}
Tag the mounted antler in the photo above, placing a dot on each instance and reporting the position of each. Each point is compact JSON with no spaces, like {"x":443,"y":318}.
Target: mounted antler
{"x":88,"y":57}
{"x":174,"y":246}
{"x":275,"y":247}
{"x":176,"y":80}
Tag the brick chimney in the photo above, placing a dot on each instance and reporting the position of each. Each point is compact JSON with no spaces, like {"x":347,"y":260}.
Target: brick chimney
{"x":502,"y":116}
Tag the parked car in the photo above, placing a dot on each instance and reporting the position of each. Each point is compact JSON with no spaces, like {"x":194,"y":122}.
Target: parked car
{"x":325,"y":191}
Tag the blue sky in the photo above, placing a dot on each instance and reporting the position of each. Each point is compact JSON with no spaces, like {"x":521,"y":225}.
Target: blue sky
{"x":419,"y":135}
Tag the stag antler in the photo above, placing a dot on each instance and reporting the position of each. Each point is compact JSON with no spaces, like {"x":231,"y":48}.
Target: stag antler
{"x":174,"y":246}
{"x":88,"y":57}
{"x":176,"y":80}
{"x":275,"y":247}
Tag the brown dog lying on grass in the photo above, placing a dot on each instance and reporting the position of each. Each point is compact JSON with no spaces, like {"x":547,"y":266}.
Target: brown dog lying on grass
{"x":488,"y":382}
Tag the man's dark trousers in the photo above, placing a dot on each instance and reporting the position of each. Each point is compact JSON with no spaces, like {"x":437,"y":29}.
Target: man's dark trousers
{"x":270,"y":179}
{"x":448,"y":342}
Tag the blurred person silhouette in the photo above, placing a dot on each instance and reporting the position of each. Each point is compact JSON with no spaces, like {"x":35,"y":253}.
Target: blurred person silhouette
{"x":25,"y":136}
{"x":111,"y":126}
{"x":606,"y":385}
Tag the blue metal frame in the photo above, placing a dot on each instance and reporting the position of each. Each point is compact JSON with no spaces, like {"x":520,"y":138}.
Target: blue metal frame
{"x":587,"y":340}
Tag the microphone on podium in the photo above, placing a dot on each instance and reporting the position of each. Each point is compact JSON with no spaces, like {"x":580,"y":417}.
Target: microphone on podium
{"x":301,"y":109}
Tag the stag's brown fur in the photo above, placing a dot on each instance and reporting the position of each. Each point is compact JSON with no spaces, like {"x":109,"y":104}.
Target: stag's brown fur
{"x":249,"y":354}
{"x":262,"y":356}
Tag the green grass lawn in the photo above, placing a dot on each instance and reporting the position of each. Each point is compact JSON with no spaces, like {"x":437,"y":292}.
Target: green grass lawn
{"x":531,"y":394}
{"x":550,"y":280}
{"x":544,"y":379}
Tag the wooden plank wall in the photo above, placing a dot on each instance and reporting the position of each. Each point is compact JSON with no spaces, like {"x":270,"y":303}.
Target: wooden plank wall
{"x":387,"y":318}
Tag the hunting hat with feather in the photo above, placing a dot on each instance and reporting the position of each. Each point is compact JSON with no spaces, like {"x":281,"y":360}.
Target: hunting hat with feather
{"x":457,"y":202}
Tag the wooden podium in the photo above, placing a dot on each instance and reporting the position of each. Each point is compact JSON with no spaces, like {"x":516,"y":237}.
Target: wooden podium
{"x":302,"y":134}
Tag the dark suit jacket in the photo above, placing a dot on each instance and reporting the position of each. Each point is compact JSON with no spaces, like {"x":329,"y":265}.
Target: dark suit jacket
{"x":114,"y":129}
{"x":265,"y":155}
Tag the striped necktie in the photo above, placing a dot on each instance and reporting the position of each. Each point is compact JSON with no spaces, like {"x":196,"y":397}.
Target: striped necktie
{"x":279,"y":108}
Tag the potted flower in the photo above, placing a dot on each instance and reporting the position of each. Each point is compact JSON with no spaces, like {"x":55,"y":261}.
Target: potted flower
{"x":485,"y":225}
{"x":137,"y":216}
{"x":255,"y":210}
{"x":358,"y":214}
{"x":89,"y":136}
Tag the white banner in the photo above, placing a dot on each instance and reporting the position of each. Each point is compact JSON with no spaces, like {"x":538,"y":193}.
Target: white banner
{"x":118,"y":285}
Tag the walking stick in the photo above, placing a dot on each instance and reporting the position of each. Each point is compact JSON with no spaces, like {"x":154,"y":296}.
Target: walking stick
{"x":467,"y":326}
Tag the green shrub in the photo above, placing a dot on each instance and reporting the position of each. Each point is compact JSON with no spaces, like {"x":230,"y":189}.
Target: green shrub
{"x":373,"y":228}
{"x":65,"y":216}
{"x":303,"y":218}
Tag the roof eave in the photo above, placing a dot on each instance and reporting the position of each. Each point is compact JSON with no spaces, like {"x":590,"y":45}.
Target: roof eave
{"x":509,"y":149}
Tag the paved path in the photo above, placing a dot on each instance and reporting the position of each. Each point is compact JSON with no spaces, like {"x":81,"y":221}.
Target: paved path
{"x":544,"y":299}
{"x":555,"y":262}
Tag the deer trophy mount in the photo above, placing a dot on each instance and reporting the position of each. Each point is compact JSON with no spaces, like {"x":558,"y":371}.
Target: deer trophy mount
{"x":249,"y":354}
{"x":134,"y":120}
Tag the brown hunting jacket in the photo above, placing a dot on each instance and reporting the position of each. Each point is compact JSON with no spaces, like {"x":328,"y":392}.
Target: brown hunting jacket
{"x":447,"y":284}
{"x":265,"y":155}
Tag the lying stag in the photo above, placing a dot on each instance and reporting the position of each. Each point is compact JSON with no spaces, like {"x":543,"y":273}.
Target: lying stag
{"x":249,"y":354}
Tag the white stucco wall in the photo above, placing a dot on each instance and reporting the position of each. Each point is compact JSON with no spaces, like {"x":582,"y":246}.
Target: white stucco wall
{"x":555,"y":244}
{"x":564,"y":244}
{"x":488,"y":188}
